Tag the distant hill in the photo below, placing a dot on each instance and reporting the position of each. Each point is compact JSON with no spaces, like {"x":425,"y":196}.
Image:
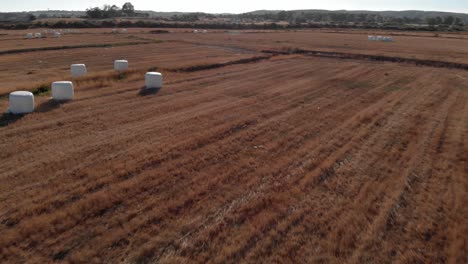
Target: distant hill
{"x":25,"y":16}
{"x":293,"y":17}
{"x":413,"y":14}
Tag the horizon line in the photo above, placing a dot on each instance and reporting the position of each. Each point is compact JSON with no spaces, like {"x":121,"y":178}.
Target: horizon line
{"x":270,"y":10}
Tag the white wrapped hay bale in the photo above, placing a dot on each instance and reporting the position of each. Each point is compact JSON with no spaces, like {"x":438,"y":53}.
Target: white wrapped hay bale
{"x":57,"y":34}
{"x":78,"y":70}
{"x":388,"y":39}
{"x":153,"y":80}
{"x":123,"y":31}
{"x":21,"y":102}
{"x":121,"y":65}
{"x":29,"y":35}
{"x":114,"y":30}
{"x":38,"y":35}
{"x":62,"y":91}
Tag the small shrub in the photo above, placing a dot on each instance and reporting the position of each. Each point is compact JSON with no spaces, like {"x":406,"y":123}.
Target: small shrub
{"x":159,"y":31}
{"x":43,"y":89}
{"x":122,"y":76}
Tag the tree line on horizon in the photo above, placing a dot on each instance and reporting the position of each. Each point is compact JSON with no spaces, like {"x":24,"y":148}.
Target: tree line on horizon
{"x":301,"y":17}
{"x":113,"y":11}
{"x":102,"y":16}
{"x":292,"y":17}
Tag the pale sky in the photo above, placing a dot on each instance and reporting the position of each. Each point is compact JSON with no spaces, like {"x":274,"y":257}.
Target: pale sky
{"x":240,"y":6}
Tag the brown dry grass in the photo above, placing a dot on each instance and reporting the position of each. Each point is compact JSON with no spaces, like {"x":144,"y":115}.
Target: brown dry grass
{"x":406,"y":46}
{"x":290,"y":159}
{"x":24,"y":71}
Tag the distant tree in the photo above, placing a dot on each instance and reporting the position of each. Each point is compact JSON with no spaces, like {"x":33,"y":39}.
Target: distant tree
{"x":128,"y":9}
{"x":115,"y":11}
{"x":458,"y":21}
{"x":31,"y":17}
{"x":282,"y":16}
{"x":300,"y":20}
{"x":449,"y":20}
{"x":107,"y":11}
{"x":95,"y":12}
{"x":431,"y":21}
{"x":190,"y":17}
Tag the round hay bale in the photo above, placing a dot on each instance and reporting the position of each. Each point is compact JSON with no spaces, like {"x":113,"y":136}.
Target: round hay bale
{"x":121,"y":65}
{"x":38,"y":35}
{"x":29,"y":35}
{"x":78,"y":70}
{"x":153,"y":80}
{"x":21,"y":102}
{"x":62,"y":91}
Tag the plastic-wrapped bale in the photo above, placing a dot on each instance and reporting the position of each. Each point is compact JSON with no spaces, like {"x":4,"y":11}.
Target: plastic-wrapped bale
{"x":153,"y":80}
{"x":29,"y":35}
{"x":21,"y":102}
{"x":57,"y":34}
{"x":123,"y":31}
{"x":120,"y":65}
{"x":38,"y":35}
{"x":78,"y":70}
{"x":380,"y":38}
{"x":62,"y":91}
{"x":114,"y":30}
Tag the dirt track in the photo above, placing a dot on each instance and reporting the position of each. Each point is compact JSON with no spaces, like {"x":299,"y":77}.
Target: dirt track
{"x":291,"y":159}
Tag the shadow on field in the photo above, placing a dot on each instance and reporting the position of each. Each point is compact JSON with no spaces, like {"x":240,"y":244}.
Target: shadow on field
{"x":8,"y":119}
{"x":49,"y":106}
{"x":146,"y":92}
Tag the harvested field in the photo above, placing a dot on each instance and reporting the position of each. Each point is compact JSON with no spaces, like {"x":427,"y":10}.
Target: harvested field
{"x":413,"y":46}
{"x":18,"y":44}
{"x":243,"y":156}
{"x":49,"y":65}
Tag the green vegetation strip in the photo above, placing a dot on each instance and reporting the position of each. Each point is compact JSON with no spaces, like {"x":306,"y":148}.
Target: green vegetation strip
{"x":107,"y":45}
{"x":355,"y":56}
{"x":220,"y":65}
